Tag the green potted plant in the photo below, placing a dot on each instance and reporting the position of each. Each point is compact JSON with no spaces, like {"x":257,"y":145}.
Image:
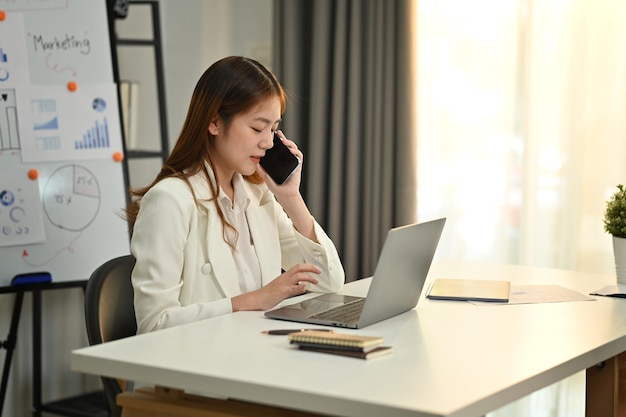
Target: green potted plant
{"x":615,"y":225}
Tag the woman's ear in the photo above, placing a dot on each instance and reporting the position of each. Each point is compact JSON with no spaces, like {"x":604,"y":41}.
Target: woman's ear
{"x":214,"y":126}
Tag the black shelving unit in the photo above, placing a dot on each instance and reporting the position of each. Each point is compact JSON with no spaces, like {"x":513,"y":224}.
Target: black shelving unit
{"x":155,"y":42}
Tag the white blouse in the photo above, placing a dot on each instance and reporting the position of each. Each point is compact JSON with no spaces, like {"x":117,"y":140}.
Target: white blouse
{"x":244,"y":254}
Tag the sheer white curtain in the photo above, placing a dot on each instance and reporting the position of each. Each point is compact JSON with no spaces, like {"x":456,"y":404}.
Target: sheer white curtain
{"x":522,"y":137}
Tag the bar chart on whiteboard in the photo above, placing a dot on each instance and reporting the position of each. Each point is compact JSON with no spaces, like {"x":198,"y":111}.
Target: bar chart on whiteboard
{"x":56,"y":125}
{"x":96,"y":137}
{"x":9,"y":140}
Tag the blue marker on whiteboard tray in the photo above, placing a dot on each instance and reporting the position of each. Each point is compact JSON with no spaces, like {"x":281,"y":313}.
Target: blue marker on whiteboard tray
{"x":32,"y":278}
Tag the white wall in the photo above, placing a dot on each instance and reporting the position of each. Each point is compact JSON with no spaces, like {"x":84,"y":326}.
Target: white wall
{"x":213,"y":29}
{"x":196,"y":33}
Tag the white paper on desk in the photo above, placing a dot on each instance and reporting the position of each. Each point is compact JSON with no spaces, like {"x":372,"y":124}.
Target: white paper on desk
{"x":615,"y":290}
{"x":528,"y":294}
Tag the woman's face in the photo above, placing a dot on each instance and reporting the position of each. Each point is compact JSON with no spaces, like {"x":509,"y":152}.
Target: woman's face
{"x":240,"y":147}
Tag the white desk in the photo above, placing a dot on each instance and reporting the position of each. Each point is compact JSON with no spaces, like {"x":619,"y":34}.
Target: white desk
{"x":450,"y":358}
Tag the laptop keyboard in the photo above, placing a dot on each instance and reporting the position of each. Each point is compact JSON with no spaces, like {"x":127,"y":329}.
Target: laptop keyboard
{"x":347,"y":313}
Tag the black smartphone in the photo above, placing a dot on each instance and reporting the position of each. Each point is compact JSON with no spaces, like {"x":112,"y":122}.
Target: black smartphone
{"x":279,"y":162}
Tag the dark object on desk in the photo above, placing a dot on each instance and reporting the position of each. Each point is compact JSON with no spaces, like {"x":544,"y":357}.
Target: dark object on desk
{"x":110,"y":313}
{"x":615,"y":290}
{"x":323,"y":346}
{"x":373,"y":353}
{"x":284,"y":332}
{"x":32,"y":278}
{"x":470,"y":290}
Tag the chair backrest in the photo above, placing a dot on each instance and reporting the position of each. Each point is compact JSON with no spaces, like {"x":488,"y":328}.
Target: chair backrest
{"x":110,"y":312}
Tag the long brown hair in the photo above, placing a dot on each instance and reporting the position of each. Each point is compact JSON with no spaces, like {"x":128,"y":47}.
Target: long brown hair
{"x":231,"y":86}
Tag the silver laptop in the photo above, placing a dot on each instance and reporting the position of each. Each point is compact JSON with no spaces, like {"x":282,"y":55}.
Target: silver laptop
{"x":396,"y":286}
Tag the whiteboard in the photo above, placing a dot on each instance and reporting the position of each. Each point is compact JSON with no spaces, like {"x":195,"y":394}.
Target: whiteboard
{"x":62,"y":190}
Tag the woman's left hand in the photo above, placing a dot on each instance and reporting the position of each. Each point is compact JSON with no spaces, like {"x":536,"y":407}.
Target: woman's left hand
{"x":288,"y":195}
{"x":291,"y":187}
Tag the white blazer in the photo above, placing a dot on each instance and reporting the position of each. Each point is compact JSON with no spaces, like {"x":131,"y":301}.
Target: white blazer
{"x":185,"y":271}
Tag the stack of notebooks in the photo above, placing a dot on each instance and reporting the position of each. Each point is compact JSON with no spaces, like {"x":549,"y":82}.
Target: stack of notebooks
{"x":356,"y":346}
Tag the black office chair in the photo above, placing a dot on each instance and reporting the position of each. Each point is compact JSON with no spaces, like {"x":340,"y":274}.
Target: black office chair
{"x":110,"y":314}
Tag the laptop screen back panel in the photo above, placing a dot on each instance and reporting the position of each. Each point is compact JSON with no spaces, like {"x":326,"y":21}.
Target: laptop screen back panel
{"x":401,"y":270}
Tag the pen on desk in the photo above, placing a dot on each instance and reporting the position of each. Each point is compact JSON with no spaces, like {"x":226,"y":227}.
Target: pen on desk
{"x":283,"y":332}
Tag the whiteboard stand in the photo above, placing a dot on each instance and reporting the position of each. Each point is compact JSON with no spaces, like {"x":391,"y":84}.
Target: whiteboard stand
{"x":9,"y":345}
{"x":86,"y":405}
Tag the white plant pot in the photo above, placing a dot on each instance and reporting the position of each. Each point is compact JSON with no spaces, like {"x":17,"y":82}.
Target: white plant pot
{"x":619,"y":251}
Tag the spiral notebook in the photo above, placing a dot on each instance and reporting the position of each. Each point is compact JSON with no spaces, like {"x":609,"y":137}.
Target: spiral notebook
{"x":352,"y":345}
{"x":316,"y":337}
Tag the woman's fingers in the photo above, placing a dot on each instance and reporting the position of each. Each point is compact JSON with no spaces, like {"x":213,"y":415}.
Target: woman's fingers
{"x":300,"y":274}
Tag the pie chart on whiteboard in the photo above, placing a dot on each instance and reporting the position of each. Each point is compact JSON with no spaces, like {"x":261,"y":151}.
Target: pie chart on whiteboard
{"x":71,"y":198}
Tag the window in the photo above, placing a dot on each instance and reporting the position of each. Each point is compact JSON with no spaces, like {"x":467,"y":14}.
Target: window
{"x":521,"y":127}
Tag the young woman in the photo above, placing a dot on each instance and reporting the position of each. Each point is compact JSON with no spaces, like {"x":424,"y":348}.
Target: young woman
{"x":213,"y":233}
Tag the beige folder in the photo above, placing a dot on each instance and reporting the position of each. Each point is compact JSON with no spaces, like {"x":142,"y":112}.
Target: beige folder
{"x":469,"y":290}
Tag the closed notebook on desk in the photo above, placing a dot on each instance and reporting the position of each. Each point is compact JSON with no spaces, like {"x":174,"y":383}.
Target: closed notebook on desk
{"x":469,"y":290}
{"x":372,"y":353}
{"x":356,"y":341}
